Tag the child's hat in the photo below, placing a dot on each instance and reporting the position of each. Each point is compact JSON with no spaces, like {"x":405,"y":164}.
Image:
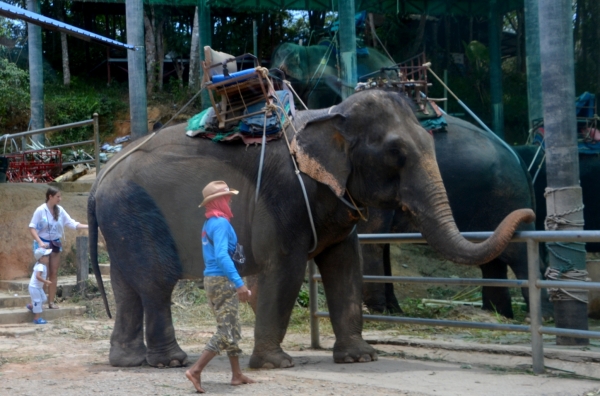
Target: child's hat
{"x":41,"y":252}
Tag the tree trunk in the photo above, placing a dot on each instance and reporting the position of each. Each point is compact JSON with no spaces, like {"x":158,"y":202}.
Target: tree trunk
{"x":150,"y":42}
{"x":160,"y":52}
{"x":65,"y":60}
{"x":194,"y":77}
{"x":520,"y":29}
{"x":64,"y":47}
{"x":596,"y":24}
{"x":372,"y":30}
{"x":178,"y":64}
{"x":418,"y":41}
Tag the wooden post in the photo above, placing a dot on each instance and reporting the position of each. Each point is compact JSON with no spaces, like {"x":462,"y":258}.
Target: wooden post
{"x":83,"y":264}
{"x":97,"y":143}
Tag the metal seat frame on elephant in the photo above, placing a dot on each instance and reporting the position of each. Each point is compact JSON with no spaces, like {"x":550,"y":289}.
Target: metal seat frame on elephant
{"x":231,"y":91}
{"x":412,"y":79}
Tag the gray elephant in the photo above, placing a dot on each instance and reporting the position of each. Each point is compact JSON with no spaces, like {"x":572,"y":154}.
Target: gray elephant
{"x":485,"y":181}
{"x":370,"y":147}
{"x":313,"y":72}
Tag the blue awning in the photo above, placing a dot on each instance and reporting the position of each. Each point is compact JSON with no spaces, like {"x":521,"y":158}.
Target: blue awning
{"x":13,"y":12}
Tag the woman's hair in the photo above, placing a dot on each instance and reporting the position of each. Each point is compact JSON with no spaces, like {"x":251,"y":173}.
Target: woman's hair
{"x":50,"y":193}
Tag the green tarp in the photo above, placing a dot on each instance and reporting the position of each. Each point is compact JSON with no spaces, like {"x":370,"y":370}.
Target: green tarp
{"x":430,"y":7}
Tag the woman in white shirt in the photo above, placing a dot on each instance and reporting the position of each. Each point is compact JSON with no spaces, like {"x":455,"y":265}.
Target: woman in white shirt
{"x":47,"y":228}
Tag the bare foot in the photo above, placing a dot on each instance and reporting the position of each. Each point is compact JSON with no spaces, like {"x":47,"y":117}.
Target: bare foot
{"x":241,"y":379}
{"x":195,"y":381}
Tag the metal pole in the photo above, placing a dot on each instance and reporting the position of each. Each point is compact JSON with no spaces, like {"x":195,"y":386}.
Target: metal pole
{"x":313,"y":300}
{"x":36,"y":72}
{"x":97,"y":142}
{"x":496,"y":70}
{"x":532,"y":56}
{"x":535,"y":306}
{"x":255,"y":37}
{"x":563,"y":196}
{"x":346,"y":12}
{"x":83,"y":263}
{"x":446,"y":90}
{"x":136,"y":66}
{"x":205,"y":33}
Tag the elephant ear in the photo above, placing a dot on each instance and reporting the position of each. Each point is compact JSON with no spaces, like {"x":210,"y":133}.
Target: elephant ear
{"x":321,"y":151}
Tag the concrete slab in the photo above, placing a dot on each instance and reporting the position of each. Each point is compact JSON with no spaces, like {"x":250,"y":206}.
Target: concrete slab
{"x":422,"y":377}
{"x":22,"y":284}
{"x":22,"y":315}
{"x":590,"y":353}
{"x":104,"y":270}
{"x":13,"y":300}
{"x":12,"y":331}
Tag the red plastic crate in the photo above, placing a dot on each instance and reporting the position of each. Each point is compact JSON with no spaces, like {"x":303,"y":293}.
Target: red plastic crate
{"x":34,"y":166}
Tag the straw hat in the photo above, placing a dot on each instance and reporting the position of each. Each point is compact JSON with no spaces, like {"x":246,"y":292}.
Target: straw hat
{"x":214,"y":190}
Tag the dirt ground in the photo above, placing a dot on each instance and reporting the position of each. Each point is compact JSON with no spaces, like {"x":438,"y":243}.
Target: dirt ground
{"x":70,"y":357}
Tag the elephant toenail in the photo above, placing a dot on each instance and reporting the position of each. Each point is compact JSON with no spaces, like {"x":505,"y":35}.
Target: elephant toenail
{"x":348,"y":359}
{"x":174,"y":363}
{"x":285,"y":364}
{"x":365,"y":358}
{"x":160,"y":365}
{"x":268,"y":365}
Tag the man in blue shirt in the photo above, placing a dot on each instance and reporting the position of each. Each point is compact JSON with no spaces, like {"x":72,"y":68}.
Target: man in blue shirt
{"x":223,"y":284}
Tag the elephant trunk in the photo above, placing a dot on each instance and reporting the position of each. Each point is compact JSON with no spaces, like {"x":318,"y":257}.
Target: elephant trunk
{"x":435,"y":220}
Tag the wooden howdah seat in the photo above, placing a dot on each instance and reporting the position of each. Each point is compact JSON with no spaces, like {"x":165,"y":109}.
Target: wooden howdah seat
{"x":231,"y":91}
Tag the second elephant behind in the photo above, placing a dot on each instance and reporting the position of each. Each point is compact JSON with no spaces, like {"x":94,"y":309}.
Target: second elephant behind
{"x":485,"y":181}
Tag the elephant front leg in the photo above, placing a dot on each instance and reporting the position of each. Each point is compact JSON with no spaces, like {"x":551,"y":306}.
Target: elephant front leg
{"x":341,"y":269}
{"x":279,"y":290}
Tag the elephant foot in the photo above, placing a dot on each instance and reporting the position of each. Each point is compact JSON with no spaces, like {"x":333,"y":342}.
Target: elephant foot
{"x":271,"y":360}
{"x":357,"y":351}
{"x":174,"y":357}
{"x":124,"y":356}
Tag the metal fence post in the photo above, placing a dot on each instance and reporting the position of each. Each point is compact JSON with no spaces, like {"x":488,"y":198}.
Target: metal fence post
{"x":83,"y":264}
{"x":97,"y":142}
{"x":313,"y":300}
{"x":535,"y":304}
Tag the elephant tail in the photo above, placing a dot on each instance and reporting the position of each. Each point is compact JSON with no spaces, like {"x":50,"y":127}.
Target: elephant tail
{"x":93,"y":238}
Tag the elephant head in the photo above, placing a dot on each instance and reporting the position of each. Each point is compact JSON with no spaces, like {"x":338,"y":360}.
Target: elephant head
{"x":372,"y":146}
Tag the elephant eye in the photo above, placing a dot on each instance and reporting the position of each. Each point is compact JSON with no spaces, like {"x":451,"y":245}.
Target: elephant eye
{"x":395,"y":156}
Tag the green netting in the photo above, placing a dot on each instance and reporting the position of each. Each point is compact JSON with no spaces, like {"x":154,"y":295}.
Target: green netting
{"x":429,"y":7}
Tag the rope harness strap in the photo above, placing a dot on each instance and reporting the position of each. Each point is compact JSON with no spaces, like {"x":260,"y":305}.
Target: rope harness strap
{"x":565,"y":294}
{"x":558,"y":221}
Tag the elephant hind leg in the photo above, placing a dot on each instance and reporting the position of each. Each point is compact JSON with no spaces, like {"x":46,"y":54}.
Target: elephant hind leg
{"x":146,"y":268}
{"x":496,"y":299}
{"x":127,"y":347}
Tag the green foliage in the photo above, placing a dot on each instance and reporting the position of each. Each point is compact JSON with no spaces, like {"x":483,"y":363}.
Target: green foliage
{"x":414,"y":308}
{"x":303,"y":297}
{"x":14,"y":94}
{"x":80,"y":102}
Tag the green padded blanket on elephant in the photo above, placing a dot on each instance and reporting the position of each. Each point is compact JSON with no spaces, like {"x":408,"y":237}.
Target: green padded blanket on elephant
{"x":248,"y":130}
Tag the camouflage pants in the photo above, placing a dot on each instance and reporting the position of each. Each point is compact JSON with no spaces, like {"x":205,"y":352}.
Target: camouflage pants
{"x":223,"y":300}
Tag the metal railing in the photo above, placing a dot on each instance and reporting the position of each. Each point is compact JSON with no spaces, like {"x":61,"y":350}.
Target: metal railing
{"x":95,"y":141}
{"x":533,"y":283}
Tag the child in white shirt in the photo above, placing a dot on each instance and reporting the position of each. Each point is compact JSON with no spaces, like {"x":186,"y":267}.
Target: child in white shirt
{"x":37,"y":282}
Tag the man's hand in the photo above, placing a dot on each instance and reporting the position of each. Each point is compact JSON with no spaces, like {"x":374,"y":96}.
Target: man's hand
{"x":243,"y":293}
